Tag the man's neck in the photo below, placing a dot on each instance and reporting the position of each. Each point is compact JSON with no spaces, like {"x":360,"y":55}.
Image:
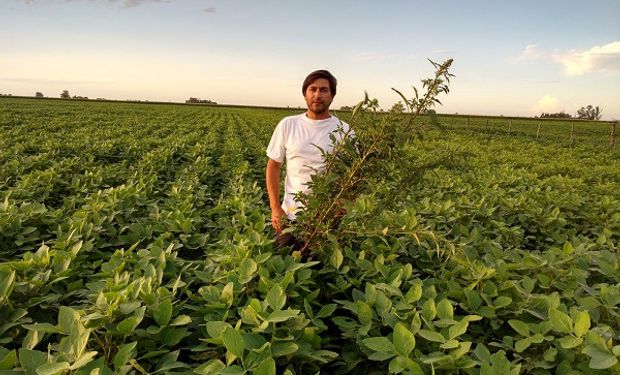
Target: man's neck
{"x":318,"y":116}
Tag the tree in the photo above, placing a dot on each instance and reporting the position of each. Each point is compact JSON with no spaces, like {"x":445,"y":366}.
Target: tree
{"x":590,"y":113}
{"x":561,"y":114}
{"x":65,"y":94}
{"x":193,"y":100}
{"x":38,"y":94}
{"x":398,"y":107}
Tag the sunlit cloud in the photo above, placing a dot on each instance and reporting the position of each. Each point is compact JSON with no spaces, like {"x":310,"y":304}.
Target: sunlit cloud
{"x":547,"y":103}
{"x":597,"y":58}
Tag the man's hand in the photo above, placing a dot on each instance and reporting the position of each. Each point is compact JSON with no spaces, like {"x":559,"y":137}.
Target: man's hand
{"x":272,"y":177}
{"x":277,"y":219}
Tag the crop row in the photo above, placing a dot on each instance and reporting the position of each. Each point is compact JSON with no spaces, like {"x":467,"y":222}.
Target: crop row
{"x":135,"y":239}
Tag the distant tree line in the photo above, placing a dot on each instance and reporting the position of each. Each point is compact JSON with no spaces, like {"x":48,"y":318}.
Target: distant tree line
{"x":193,"y":100}
{"x":584,"y":113}
{"x":561,"y":114}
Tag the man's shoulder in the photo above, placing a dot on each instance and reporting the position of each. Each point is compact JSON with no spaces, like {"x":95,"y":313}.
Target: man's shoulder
{"x":292,"y":119}
{"x":287,"y":123}
{"x":341,"y":123}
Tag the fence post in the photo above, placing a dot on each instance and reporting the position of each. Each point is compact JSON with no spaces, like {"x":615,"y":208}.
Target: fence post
{"x":612,"y":134}
{"x":538,"y":131}
{"x":467,"y":124}
{"x":572,"y":133}
{"x":510,"y":127}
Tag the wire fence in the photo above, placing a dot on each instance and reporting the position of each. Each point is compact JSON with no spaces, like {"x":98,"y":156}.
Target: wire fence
{"x":571,"y":132}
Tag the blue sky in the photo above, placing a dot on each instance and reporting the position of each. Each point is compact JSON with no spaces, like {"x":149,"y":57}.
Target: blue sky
{"x":510,"y":57}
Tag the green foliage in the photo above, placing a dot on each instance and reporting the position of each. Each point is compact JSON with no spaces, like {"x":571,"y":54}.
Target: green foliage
{"x":590,"y":113}
{"x":134,"y":239}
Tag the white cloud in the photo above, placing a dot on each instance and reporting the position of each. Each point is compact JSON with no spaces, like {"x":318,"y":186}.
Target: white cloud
{"x":597,"y":58}
{"x":531,"y":52}
{"x":575,"y":62}
{"x":547,"y":103}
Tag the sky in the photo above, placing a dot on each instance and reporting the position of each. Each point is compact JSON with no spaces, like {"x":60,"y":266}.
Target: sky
{"x":511,"y":58}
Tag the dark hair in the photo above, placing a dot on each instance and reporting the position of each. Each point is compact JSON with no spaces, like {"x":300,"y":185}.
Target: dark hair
{"x":320,"y":74}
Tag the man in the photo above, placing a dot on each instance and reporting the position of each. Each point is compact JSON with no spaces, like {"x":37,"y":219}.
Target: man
{"x":298,"y":140}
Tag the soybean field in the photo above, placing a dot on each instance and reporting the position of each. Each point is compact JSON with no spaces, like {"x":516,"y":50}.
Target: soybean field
{"x":135,"y":238}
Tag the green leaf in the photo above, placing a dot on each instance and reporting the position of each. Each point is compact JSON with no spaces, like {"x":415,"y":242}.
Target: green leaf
{"x":93,"y":367}
{"x":444,"y":309}
{"x":276,"y":298}
{"x":267,"y":367}
{"x":501,"y":365}
{"x":232,"y":370}
{"x":7,"y":278}
{"x":213,"y":367}
{"x":32,"y":339}
{"x":569,"y":342}
{"x":432,"y":336}
{"x":550,"y":354}
{"x":247,"y":269}
{"x":401,"y":363}
{"x":171,"y":336}
{"x":582,"y":323}
{"x":560,"y":321}
{"x":127,"y":326}
{"x":181,"y":320}
{"x":364,"y":312}
{"x":428,"y":310}
{"x":282,"y":315}
{"x":326,"y":310}
{"x":450,"y":344}
{"x":482,"y":353}
{"x":216,"y":328}
{"x":414,"y":294}
{"x":600,"y":358}
{"x":381,"y":356}
{"x":66,"y":317}
{"x":30,"y":360}
{"x":227,"y":294}
{"x":9,"y":361}
{"x":336,"y":258}
{"x":233,"y":341}
{"x":522,"y":344}
{"x":521,"y":327}
{"x":53,"y":368}
{"x":379,"y":344}
{"x":124,"y":354}
{"x":473,"y":299}
{"x":42,"y":327}
{"x":458,"y":329}
{"x":502,"y":301}
{"x":162,"y":311}
{"x":404,"y":341}
{"x":283,"y":348}
{"x":83,"y":360}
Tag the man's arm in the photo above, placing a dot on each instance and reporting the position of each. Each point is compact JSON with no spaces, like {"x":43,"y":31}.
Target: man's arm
{"x":272,"y":177}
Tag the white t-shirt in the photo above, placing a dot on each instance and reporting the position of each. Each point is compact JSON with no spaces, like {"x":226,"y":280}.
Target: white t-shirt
{"x":295,"y":141}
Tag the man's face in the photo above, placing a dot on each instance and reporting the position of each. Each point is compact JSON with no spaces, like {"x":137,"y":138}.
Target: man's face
{"x":319,"y":97}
